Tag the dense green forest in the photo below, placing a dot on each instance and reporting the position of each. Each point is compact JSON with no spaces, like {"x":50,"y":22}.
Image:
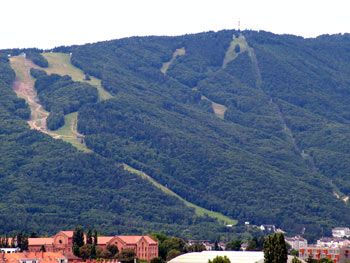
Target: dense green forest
{"x":47,"y":185}
{"x":278,"y":156}
{"x":61,"y":95}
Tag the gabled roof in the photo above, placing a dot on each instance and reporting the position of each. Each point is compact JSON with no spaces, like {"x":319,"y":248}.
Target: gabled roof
{"x":103,"y":240}
{"x":40,"y":241}
{"x":67,"y":233}
{"x":136,"y":239}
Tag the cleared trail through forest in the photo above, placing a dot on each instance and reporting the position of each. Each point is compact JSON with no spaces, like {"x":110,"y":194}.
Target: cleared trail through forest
{"x":24,"y":87}
{"x":309,"y":159}
{"x":166,"y":65}
{"x":200,"y":211}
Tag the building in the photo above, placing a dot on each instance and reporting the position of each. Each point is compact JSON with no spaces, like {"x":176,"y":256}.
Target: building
{"x":341,"y":232}
{"x":296,"y":242}
{"x":234,"y":257}
{"x":332,"y":242}
{"x":145,"y":247}
{"x":268,"y":228}
{"x":33,"y":257}
{"x":337,"y":254}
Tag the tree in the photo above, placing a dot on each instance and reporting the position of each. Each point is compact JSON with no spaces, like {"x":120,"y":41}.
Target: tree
{"x":220,"y":259}
{"x":95,"y":237}
{"x":89,"y":236}
{"x":275,"y":249}
{"x":43,"y":249}
{"x":296,"y":260}
{"x":294,"y":252}
{"x":325,"y":260}
{"x":256,"y":244}
{"x":93,"y":252}
{"x":170,"y":244}
{"x":85,"y":251}
{"x":234,"y":245}
{"x":76,"y":250}
{"x":127,"y":255}
{"x":78,"y":240}
{"x":237,"y":48}
{"x":173,"y":254}
{"x":157,"y":260}
{"x":196,"y":247}
{"x":103,"y":253}
{"x":113,"y":249}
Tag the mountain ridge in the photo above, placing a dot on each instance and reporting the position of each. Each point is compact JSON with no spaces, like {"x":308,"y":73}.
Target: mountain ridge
{"x":279,"y":152}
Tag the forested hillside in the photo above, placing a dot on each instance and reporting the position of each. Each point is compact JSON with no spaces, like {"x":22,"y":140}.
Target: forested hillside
{"x":276,"y":154}
{"x":47,"y":185}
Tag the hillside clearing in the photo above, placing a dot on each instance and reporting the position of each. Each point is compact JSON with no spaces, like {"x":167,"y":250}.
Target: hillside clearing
{"x":59,"y":63}
{"x":230,"y":53}
{"x":200,"y":211}
{"x":24,"y":88}
{"x":219,"y":109}
{"x":166,"y":65}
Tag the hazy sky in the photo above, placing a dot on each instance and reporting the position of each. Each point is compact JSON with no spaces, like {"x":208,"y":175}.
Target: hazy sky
{"x":50,"y":23}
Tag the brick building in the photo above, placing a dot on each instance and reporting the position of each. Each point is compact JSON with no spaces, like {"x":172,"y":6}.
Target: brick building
{"x":144,"y":246}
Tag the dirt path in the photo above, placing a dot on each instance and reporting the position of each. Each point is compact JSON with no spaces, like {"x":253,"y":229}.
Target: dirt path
{"x":309,"y":159}
{"x":24,"y":87}
{"x":166,"y":65}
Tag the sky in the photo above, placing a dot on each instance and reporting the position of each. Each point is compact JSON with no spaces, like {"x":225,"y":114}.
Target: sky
{"x":49,"y":23}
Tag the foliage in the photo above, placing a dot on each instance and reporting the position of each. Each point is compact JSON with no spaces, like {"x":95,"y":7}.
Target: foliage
{"x":61,"y":95}
{"x":275,"y":249}
{"x":127,"y":255}
{"x":296,"y":260}
{"x":173,"y":253}
{"x":234,"y":245}
{"x":157,"y":260}
{"x":113,"y":249}
{"x":220,"y":259}
{"x":278,"y":156}
{"x":37,"y":58}
{"x":196,"y":247}
{"x":256,"y":244}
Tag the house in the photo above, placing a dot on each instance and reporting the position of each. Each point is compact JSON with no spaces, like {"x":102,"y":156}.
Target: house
{"x":341,"y":232}
{"x":332,"y":242}
{"x":296,"y":242}
{"x":33,"y":257}
{"x":268,"y":228}
{"x":145,"y":247}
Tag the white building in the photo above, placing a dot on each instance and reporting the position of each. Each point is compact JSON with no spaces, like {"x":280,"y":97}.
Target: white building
{"x":268,"y":228}
{"x":296,"y":242}
{"x":332,"y":242}
{"x":234,"y":257}
{"x":341,"y":232}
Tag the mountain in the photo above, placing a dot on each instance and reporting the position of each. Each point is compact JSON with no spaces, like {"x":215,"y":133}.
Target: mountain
{"x":249,"y":124}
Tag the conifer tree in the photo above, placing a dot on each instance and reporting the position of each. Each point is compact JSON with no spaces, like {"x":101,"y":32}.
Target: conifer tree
{"x":95,"y":237}
{"x":275,"y":249}
{"x":89,"y":236}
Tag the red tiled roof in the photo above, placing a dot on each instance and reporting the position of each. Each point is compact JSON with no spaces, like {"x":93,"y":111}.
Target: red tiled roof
{"x":47,"y":257}
{"x":67,"y":233}
{"x":103,"y":240}
{"x":136,"y":239}
{"x":40,"y":241}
